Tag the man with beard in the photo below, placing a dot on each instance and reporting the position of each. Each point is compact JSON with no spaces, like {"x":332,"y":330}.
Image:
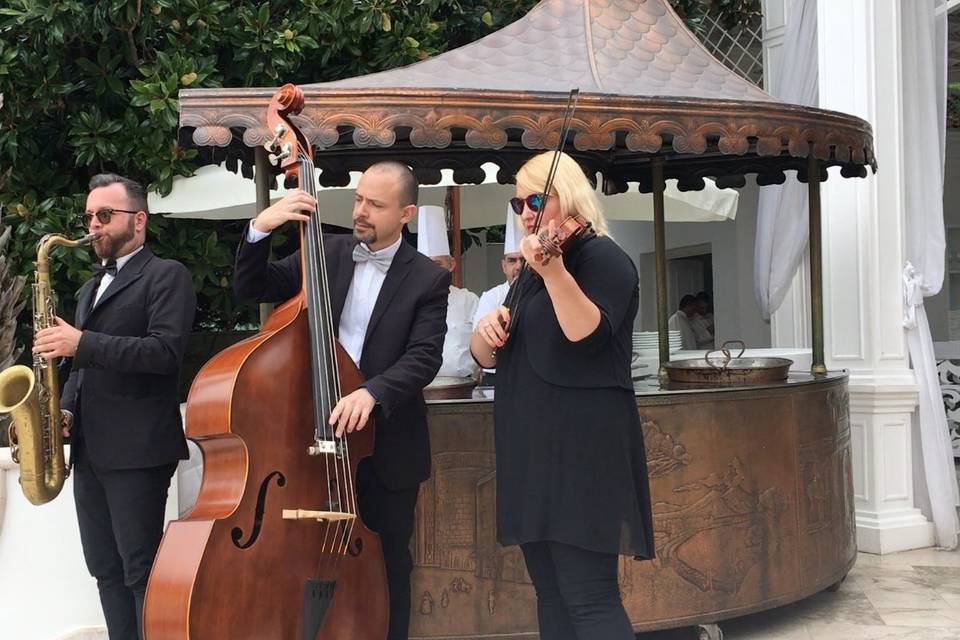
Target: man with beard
{"x":389,"y":304}
{"x":120,"y":401}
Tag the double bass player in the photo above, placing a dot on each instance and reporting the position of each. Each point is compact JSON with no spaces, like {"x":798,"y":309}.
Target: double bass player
{"x":389,"y":311}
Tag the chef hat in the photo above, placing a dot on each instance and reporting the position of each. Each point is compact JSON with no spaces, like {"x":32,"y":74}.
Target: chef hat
{"x":432,"y":231}
{"x":511,"y":237}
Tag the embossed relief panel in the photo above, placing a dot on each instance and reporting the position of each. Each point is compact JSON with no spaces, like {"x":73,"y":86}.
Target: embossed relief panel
{"x":466,"y":582}
{"x":751,"y":509}
{"x":828,"y":533}
{"x":722,"y":477}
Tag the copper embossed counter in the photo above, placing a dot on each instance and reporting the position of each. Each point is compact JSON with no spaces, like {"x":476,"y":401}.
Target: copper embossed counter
{"x":753,"y":508}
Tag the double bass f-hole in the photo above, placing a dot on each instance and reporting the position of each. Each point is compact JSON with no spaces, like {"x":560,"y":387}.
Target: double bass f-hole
{"x":236,"y":533}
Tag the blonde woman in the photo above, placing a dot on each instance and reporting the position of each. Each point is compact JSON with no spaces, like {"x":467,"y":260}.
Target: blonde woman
{"x":572,"y":485}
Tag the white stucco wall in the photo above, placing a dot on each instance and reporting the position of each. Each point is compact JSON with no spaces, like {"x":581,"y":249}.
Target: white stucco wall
{"x":45,"y":590}
{"x":737,"y":315}
{"x":730,"y":243}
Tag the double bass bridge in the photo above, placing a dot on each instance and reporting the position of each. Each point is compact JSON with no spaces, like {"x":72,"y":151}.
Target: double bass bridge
{"x":319,"y":516}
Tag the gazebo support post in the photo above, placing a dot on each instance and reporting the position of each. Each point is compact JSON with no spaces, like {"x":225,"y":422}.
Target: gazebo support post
{"x":659,"y":234}
{"x":262,"y":177}
{"x":817,"y":366}
{"x":454,"y":202}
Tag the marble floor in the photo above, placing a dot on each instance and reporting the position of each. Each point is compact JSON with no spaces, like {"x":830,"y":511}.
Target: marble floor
{"x":913,"y":595}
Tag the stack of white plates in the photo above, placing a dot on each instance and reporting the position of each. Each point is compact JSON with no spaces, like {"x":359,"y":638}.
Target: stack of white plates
{"x":646,"y":344}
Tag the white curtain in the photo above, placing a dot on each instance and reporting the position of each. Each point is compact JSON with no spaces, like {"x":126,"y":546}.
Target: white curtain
{"x":782,"y":220}
{"x":924,"y":48}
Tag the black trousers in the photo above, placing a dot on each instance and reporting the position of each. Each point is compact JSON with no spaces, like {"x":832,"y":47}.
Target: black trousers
{"x":120,"y":513}
{"x":578,"y":596}
{"x":391,"y":514}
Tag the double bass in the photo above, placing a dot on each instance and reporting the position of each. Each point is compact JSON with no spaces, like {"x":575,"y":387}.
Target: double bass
{"x":274,"y":547}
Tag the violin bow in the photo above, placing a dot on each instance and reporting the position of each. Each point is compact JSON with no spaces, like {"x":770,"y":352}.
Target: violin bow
{"x":568,"y":111}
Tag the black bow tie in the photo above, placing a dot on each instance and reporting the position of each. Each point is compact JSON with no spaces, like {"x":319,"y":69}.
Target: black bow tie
{"x":100,"y":269}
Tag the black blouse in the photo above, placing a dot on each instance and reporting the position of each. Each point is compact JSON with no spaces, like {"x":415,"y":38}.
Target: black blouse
{"x":571,"y":466}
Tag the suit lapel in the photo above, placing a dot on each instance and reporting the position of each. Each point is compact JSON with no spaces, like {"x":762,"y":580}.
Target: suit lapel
{"x":396,"y":274}
{"x":129,"y":274}
{"x":340,"y":266}
{"x":87,"y":291}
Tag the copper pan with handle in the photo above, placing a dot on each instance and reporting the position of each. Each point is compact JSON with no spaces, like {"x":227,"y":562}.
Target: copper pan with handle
{"x":719,"y":366}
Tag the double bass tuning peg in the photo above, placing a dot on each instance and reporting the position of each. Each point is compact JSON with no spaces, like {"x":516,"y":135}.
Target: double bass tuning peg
{"x":278,"y":133}
{"x":274,"y":158}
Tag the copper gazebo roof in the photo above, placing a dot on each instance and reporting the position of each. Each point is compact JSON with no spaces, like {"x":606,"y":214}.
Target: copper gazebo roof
{"x":647,"y":88}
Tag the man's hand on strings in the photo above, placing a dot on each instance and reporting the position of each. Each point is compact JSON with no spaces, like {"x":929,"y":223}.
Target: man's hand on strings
{"x":292,"y":207}
{"x":352,"y":412}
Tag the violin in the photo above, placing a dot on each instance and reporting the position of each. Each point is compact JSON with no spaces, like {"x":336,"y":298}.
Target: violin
{"x":570,"y":229}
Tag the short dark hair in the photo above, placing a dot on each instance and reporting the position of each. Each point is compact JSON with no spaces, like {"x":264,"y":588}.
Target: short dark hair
{"x":408,"y":189}
{"x":134,"y":190}
{"x":686,"y":301}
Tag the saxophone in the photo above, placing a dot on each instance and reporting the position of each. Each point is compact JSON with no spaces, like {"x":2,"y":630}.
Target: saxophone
{"x":32,"y":396}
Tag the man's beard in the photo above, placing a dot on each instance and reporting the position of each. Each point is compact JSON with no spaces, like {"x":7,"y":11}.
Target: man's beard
{"x":367,"y":237}
{"x":108,"y":247}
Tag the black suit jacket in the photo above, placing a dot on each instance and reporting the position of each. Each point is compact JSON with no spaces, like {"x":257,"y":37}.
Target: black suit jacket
{"x":402,"y":350}
{"x":122,"y":387}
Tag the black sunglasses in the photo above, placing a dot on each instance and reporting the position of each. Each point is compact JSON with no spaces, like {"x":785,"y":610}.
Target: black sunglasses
{"x":534,"y":201}
{"x":103,"y":215}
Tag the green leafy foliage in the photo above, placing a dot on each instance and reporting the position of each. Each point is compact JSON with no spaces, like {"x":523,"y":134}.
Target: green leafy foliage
{"x":732,"y":14}
{"x":92,"y":86}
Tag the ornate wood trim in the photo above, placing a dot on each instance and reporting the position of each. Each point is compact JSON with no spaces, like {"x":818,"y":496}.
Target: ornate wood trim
{"x":617,"y":135}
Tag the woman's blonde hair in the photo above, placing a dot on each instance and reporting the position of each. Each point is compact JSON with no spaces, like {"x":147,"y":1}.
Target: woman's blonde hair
{"x":570,"y":186}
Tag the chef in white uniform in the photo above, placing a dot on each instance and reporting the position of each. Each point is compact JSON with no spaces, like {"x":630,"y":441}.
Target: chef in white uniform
{"x":461,"y":303}
{"x":510,"y":264}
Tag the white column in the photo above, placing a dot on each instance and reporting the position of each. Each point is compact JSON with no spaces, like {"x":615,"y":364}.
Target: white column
{"x":860,"y":74}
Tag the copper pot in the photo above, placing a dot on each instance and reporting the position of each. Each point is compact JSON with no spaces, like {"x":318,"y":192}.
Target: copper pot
{"x":718,"y":366}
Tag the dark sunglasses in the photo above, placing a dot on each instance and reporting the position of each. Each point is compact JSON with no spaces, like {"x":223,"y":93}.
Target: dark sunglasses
{"x":534,"y":201}
{"x":103,"y":215}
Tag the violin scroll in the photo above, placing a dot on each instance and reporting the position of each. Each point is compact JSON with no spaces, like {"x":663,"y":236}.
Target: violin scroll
{"x":554,"y":244}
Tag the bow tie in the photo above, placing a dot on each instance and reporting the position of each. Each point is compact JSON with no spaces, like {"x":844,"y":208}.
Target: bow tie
{"x":362,"y":254}
{"x":99,"y":269}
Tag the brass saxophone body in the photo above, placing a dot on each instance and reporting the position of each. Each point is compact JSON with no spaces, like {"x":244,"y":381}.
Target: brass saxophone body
{"x":32,"y":396}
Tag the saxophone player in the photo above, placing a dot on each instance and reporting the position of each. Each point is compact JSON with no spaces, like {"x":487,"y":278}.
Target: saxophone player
{"x":120,"y":400}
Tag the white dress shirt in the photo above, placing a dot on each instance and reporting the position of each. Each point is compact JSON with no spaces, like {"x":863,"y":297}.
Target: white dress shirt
{"x":457,"y":361}
{"x":107,"y":278}
{"x":490,"y":300}
{"x":680,"y":322}
{"x":361,"y":297}
{"x":701,"y":330}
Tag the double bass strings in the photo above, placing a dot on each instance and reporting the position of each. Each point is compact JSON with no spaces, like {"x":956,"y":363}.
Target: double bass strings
{"x":330,"y":391}
{"x":324,"y":365}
